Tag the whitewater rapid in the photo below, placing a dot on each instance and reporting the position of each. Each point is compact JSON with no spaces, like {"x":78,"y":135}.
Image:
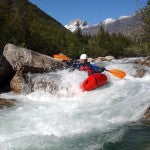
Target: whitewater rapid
{"x":69,"y":119}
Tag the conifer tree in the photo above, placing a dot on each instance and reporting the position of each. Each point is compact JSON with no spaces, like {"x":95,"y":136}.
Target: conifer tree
{"x":147,"y":22}
{"x":104,"y":41}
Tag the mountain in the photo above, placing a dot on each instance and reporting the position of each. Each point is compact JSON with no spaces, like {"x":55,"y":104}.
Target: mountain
{"x":73,"y":25}
{"x":24,"y":24}
{"x":125,"y":25}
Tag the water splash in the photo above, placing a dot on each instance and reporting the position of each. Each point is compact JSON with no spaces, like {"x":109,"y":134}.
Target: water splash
{"x":70,"y":119}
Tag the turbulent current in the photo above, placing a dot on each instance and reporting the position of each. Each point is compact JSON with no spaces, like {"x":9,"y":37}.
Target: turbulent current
{"x":56,"y":115}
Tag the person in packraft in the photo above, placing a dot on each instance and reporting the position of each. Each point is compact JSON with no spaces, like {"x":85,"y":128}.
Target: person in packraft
{"x":84,"y":65}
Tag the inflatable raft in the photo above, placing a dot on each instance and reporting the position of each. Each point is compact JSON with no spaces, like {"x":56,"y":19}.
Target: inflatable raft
{"x":94,"y":81}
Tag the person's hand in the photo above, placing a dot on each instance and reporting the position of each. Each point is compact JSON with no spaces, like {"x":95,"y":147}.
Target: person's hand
{"x":103,"y":69}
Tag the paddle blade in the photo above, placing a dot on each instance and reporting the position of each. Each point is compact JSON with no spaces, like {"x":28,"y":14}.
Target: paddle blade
{"x":117,"y":73}
{"x":61,"y":57}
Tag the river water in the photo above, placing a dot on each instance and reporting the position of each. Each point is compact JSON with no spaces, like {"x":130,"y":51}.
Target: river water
{"x":64,"y":118}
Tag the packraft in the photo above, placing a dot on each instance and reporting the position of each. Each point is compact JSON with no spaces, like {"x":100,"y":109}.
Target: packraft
{"x":93,"y":81}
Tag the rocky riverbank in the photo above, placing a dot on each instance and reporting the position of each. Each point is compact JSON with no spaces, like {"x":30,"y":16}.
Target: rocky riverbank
{"x":22,"y":61}
{"x":17,"y":62}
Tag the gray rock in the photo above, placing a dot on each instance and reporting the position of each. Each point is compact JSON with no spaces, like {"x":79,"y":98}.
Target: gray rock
{"x":106,"y":58}
{"x":31,"y":61}
{"x":143,"y":61}
{"x":140,"y":73}
{"x":23,"y":61}
{"x":109,"y":58}
{"x":90,"y":59}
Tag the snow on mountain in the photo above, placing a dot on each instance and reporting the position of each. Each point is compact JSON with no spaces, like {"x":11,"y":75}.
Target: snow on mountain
{"x":123,"y":17}
{"x":119,"y":25}
{"x":124,"y":24}
{"x":108,"y":21}
{"x":111,"y":20}
{"x":73,"y":25}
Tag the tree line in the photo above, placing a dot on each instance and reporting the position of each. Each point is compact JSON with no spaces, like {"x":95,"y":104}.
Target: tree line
{"x":117,"y":44}
{"x":24,"y":24}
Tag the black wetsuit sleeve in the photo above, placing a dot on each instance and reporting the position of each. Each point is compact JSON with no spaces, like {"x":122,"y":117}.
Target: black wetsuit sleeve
{"x":72,"y":64}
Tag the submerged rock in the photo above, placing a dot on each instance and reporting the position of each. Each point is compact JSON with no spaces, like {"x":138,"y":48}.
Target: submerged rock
{"x":47,"y":86}
{"x":140,"y":73}
{"x":7,"y":102}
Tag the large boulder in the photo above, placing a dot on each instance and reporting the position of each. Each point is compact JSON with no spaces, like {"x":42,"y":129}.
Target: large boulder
{"x":18,"y":82}
{"x":23,"y":61}
{"x":6,"y":72}
{"x":31,"y":61}
{"x":24,"y":83}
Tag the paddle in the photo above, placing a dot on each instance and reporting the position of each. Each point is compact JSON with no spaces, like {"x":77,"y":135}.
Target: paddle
{"x":61,"y":57}
{"x":116,"y":72}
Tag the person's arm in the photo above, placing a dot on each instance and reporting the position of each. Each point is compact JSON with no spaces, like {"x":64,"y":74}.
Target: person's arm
{"x":72,"y":64}
{"x":96,"y":68}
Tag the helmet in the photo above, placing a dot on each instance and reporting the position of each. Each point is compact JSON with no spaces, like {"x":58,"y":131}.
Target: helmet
{"x":83,"y":56}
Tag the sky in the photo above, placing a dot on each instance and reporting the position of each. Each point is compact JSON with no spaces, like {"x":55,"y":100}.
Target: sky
{"x":92,"y":11}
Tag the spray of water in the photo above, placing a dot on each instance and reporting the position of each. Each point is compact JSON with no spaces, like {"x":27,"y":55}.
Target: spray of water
{"x":55,"y":114}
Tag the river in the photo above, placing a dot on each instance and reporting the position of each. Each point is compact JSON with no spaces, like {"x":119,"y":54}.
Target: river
{"x":108,"y":118}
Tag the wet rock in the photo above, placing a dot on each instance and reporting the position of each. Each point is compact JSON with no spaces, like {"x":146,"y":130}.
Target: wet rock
{"x":42,"y":82}
{"x":107,"y":58}
{"x":90,"y":59}
{"x":47,"y":86}
{"x":7,"y":102}
{"x":140,"y":73}
{"x":102,"y":58}
{"x":6,"y":72}
{"x":32,"y":61}
{"x":18,"y":82}
{"x":147,"y":114}
{"x":99,"y":59}
{"x":23,"y":61}
{"x":143,"y":61}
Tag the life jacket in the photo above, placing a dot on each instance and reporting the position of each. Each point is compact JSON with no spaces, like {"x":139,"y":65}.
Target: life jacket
{"x":86,"y":68}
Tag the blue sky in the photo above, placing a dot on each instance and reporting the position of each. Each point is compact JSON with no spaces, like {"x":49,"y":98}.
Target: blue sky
{"x":93,"y":11}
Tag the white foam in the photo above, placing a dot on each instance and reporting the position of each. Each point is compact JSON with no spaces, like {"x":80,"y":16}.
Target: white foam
{"x":70,"y":112}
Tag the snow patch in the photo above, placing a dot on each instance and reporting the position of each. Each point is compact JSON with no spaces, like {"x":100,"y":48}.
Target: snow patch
{"x":109,"y":20}
{"x":123,"y":17}
{"x":73,"y":25}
